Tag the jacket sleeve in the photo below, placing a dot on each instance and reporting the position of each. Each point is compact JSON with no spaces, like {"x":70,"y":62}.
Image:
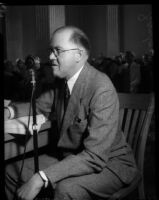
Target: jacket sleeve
{"x":102,"y":129}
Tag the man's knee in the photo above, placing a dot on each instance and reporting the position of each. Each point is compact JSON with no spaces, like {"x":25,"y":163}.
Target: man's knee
{"x":69,"y":188}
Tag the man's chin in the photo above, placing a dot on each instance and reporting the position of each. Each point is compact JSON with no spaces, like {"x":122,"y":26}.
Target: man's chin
{"x":56,"y":74}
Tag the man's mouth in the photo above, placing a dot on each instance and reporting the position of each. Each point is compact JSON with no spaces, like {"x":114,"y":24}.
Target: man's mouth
{"x":55,"y":66}
{"x":52,"y":63}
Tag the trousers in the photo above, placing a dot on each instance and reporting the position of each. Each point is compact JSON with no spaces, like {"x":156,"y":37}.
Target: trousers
{"x":87,"y":187}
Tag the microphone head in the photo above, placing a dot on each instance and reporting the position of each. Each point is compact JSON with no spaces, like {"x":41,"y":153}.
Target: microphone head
{"x":30,"y":62}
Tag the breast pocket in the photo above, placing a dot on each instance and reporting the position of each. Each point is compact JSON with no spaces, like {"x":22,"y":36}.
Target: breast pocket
{"x":76,"y":133}
{"x":79,"y":124}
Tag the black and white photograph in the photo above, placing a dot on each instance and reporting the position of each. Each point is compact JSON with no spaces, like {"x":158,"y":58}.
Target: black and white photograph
{"x":79,"y":102}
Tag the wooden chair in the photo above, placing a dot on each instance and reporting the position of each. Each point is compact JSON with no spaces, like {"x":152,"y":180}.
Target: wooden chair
{"x":135,"y":117}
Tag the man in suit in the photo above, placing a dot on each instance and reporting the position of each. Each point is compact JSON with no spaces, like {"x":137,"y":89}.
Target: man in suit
{"x":93,"y":159}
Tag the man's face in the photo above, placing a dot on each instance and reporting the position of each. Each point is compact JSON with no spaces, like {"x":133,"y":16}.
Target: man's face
{"x":63,"y":62}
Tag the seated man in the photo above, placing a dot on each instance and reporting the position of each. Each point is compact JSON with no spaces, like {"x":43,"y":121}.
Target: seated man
{"x":92,"y":157}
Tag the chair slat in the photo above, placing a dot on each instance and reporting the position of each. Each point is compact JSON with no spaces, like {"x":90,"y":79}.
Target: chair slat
{"x":138,"y":131}
{"x":121,"y":115}
{"x":133,"y":127}
{"x":127,"y":122}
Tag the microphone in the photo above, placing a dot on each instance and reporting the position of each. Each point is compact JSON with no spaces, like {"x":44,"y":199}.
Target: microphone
{"x":33,"y":80}
{"x":32,"y":64}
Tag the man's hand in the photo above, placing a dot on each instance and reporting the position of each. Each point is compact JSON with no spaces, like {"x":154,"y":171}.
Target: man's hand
{"x":30,"y":189}
{"x":6,"y":113}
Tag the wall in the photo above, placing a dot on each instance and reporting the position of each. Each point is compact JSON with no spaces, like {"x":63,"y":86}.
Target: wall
{"x":42,"y":31}
{"x":137,"y":28}
{"x":28,"y":28}
{"x":3,"y":36}
{"x":23,"y":34}
{"x":92,"y":19}
{"x":14,"y":36}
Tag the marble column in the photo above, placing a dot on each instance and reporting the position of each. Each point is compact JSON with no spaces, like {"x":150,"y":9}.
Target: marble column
{"x":48,"y":18}
{"x":112,"y":28}
{"x":56,"y":17}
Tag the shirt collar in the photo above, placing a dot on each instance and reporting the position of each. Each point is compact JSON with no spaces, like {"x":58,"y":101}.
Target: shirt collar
{"x":73,"y":79}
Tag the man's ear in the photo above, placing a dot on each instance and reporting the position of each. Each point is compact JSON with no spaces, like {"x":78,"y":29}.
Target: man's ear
{"x":78,"y":56}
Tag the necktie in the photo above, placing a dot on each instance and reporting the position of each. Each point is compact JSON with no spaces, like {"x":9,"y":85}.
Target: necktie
{"x":65,"y":98}
{"x":66,"y":95}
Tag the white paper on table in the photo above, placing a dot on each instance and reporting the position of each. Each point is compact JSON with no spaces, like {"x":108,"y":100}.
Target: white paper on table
{"x":20,"y":125}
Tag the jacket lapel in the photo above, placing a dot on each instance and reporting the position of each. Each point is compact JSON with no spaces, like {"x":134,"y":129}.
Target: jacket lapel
{"x":75,"y":99}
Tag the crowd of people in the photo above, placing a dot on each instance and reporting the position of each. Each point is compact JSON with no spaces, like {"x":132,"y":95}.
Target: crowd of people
{"x":17,"y":78}
{"x":127,"y":72}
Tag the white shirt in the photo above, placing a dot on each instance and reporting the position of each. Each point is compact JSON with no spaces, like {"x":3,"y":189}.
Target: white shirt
{"x":73,"y":79}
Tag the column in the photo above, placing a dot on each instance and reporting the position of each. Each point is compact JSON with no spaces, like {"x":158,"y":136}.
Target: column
{"x":48,"y":19}
{"x":112,"y":27}
{"x":41,"y":22}
{"x":56,"y":17}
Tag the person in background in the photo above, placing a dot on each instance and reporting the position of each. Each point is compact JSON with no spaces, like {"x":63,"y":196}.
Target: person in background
{"x":147,"y":85}
{"x":134,"y":72}
{"x":89,"y":157}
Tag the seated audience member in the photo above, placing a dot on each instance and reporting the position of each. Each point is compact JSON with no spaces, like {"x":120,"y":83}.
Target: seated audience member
{"x":91,"y":159}
{"x":11,"y":81}
{"x":146,"y":85}
{"x":134,"y":72}
{"x":8,"y":79}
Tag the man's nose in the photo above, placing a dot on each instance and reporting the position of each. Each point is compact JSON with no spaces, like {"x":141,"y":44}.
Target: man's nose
{"x":52,"y":56}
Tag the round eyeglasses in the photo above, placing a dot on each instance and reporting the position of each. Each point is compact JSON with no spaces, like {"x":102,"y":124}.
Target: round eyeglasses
{"x":58,"y":51}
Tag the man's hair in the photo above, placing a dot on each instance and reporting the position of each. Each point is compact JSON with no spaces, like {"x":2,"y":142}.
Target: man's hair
{"x":78,"y":37}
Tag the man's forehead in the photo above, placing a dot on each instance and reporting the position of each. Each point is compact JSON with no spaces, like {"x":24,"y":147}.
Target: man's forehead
{"x":66,"y":33}
{"x":61,"y":37}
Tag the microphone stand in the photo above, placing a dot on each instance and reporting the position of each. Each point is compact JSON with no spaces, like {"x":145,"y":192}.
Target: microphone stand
{"x":35,"y":138}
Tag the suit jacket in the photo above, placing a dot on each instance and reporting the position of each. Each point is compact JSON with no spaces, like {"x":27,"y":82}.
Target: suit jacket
{"x":89,"y":136}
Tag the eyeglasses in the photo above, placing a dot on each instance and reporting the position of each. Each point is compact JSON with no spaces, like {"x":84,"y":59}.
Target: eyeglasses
{"x":57,"y":51}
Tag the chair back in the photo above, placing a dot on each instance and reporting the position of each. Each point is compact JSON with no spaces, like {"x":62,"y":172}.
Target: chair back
{"x":135,"y":117}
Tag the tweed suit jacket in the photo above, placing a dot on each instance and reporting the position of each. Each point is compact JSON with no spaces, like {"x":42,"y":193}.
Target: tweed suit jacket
{"x":89,"y":136}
